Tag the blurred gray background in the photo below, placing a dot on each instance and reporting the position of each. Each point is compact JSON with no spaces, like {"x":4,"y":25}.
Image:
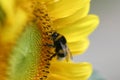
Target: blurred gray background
{"x":104,"y":50}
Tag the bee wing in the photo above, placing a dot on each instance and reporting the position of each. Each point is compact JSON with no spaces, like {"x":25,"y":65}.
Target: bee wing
{"x":69,"y":53}
{"x":66,"y":52}
{"x":63,"y":48}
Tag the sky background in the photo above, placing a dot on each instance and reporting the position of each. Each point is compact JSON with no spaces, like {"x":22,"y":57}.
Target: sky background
{"x":104,"y":49}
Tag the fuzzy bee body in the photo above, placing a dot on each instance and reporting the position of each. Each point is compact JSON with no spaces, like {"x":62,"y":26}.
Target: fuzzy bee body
{"x":61,"y":49}
{"x":52,"y":43}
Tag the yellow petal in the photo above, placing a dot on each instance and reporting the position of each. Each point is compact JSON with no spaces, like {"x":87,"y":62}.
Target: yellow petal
{"x":13,"y":27}
{"x":78,"y":47}
{"x":14,"y":21}
{"x":8,"y":7}
{"x":64,"y":8}
{"x":70,"y":71}
{"x":59,"y":23}
{"x":80,"y":29}
{"x":56,"y":77}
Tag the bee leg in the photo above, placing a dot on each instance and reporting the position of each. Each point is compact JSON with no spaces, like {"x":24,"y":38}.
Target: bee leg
{"x":49,"y":45}
{"x":53,"y":56}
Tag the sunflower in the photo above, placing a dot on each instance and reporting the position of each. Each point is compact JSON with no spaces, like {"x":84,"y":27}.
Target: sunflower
{"x":22,"y":54}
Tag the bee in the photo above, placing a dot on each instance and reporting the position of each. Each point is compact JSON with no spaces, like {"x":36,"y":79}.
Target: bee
{"x":61,"y":49}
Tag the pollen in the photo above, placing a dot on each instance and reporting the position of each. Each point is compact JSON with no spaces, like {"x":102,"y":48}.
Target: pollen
{"x":44,"y":24}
